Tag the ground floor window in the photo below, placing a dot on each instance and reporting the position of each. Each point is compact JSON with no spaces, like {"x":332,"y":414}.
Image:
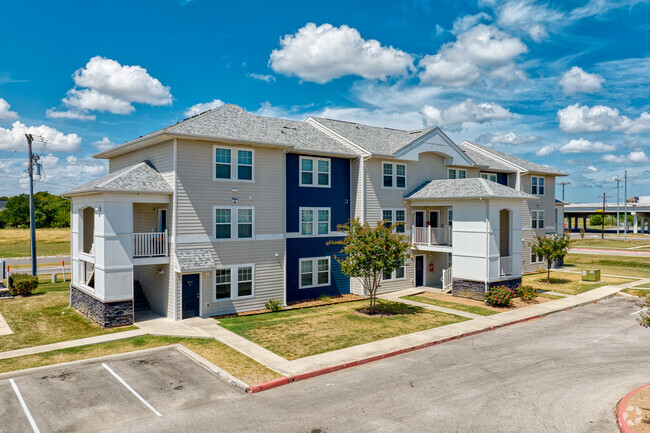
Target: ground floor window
{"x":315,"y":272}
{"x":397,"y":274}
{"x":534,"y":258}
{"x":235,"y":282}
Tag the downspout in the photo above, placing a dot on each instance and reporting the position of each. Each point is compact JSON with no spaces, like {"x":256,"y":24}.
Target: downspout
{"x":487,"y":243}
{"x":175,"y":226}
{"x":284,"y":225}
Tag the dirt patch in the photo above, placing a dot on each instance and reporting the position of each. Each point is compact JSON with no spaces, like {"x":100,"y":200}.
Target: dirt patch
{"x":318,"y":302}
{"x":516,"y":302}
{"x":365,"y":312}
{"x":638,"y":411}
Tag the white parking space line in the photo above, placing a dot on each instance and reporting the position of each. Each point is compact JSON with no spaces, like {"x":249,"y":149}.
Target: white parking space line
{"x":145,"y":402}
{"x":22,"y":403}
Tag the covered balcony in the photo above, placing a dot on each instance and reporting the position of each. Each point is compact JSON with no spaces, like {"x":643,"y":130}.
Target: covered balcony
{"x":430,"y":236}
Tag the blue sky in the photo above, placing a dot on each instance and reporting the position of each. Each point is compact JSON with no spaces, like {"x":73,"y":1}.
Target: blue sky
{"x":564,"y":84}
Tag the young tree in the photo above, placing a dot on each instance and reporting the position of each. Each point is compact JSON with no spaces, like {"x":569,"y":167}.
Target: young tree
{"x":551,"y":248}
{"x":370,"y":252}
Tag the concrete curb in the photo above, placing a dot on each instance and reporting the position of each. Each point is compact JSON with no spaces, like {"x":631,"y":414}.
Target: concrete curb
{"x":319,"y":372}
{"x":621,"y":412}
{"x":217,"y":371}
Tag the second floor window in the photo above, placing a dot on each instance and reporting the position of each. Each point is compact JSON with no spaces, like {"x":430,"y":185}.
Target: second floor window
{"x":537,"y":185}
{"x":233,"y":222}
{"x":457,"y":173}
{"x":315,"y":172}
{"x":394,"y":175}
{"x":489,"y":176}
{"x":233,"y":164}
{"x":394,"y":216}
{"x":537,"y":219}
{"x":314,"y":221}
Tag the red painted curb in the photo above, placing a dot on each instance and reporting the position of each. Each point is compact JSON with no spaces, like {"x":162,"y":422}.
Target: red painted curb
{"x":286,"y":380}
{"x":622,"y":408}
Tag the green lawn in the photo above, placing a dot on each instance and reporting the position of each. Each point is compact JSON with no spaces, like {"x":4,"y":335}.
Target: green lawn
{"x":295,"y":334}
{"x":638,"y":267}
{"x":548,"y":296}
{"x":219,"y":354}
{"x":454,"y":305}
{"x":638,"y":291}
{"x":608,"y":243}
{"x":563,"y":282}
{"x":49,"y":242}
{"x":45,"y":318}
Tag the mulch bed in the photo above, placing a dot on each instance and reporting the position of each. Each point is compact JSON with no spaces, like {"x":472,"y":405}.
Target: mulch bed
{"x":309,"y":303}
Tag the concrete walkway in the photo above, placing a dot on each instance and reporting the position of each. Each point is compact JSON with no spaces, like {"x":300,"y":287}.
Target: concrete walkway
{"x":395,"y":296}
{"x":72,"y":343}
{"x":4,"y":328}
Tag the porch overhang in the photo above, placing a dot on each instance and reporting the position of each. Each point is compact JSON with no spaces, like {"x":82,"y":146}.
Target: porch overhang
{"x":194,"y":260}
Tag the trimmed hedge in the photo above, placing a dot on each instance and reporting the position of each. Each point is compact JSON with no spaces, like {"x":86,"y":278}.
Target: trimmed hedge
{"x":527,"y":293}
{"x":22,"y":284}
{"x":499,"y":296}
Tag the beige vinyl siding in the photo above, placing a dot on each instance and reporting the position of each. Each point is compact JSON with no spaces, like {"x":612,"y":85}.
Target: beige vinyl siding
{"x":355,"y":189}
{"x":155,"y":287}
{"x":145,"y":216}
{"x":161,"y":155}
{"x":405,"y":283}
{"x":546,"y":203}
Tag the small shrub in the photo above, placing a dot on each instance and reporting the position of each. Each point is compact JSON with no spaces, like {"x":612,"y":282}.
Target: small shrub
{"x":12,"y":277}
{"x":23,"y":284}
{"x":499,"y":296}
{"x":527,"y":293}
{"x":273,"y":305}
{"x":644,"y":316}
{"x":325,"y":298}
{"x":582,"y":232}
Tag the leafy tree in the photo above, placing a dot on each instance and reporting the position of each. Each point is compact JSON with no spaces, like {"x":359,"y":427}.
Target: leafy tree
{"x":50,"y":211}
{"x":370,"y":252}
{"x":595,"y":220}
{"x":551,"y":248}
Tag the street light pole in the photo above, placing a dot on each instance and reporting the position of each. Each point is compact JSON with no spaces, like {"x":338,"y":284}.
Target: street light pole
{"x":618,"y":186}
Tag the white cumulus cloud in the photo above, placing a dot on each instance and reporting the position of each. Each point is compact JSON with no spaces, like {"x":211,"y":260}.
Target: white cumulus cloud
{"x":636,"y":156}
{"x":582,"y":118}
{"x":505,"y":138}
{"x":5,"y":112}
{"x":56,"y":140}
{"x":464,"y":23}
{"x":203,"y":106}
{"x":545,"y":151}
{"x":104,"y":144}
{"x":458,"y":115}
{"x":262,"y":77}
{"x":323,"y":53}
{"x":592,"y":169}
{"x":583,"y":146}
{"x":482,"y":50}
{"x":52,"y":113}
{"x":577,"y":80}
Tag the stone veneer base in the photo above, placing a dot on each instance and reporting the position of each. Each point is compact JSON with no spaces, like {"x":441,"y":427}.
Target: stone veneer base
{"x":476,"y":289}
{"x":106,"y":314}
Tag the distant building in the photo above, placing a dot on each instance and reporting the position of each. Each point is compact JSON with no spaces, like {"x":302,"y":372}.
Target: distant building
{"x":3,"y":205}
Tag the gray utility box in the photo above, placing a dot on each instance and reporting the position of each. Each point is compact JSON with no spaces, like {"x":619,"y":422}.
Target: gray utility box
{"x":591,"y":275}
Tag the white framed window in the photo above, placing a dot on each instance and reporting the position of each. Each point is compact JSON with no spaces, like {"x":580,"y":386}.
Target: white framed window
{"x":450,"y":217}
{"x":537,"y":219}
{"x":394,"y":216}
{"x":234,"y":164}
{"x":234,"y":222}
{"x":449,"y":260}
{"x":235,"y":282}
{"x":489,"y":176}
{"x":315,"y":272}
{"x":534,"y":258}
{"x":459,"y":173}
{"x":315,"y":172}
{"x":397,"y":274}
{"x":537,"y":185}
{"x":393,"y":175}
{"x":314,"y":221}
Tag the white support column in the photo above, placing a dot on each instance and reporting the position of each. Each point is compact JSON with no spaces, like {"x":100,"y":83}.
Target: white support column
{"x":636,"y":224}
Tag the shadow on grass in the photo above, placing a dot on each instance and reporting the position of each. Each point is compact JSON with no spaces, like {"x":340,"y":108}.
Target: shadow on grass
{"x":384,"y":308}
{"x":554,"y":281}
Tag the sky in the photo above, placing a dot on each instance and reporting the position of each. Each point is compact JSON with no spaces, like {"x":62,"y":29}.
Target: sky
{"x":565,"y":84}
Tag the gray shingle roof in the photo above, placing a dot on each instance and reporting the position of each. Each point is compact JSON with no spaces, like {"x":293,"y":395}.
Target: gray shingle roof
{"x":383,"y":141}
{"x":481,"y":158}
{"x":232,"y":122}
{"x":524,"y":163}
{"x":195,"y":259}
{"x":465,"y":188}
{"x":141,"y":177}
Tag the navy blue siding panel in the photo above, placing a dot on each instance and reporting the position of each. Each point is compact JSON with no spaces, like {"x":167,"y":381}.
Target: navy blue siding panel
{"x":502,"y":178}
{"x":299,"y":248}
{"x":336,"y":197}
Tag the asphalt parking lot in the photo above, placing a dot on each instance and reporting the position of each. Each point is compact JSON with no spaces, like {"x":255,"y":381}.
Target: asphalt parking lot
{"x":90,"y":397}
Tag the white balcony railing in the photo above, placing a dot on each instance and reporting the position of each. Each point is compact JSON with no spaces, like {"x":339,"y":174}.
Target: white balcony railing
{"x":505,"y":265}
{"x":151,"y":244}
{"x":446,"y":278}
{"x":431,"y":235}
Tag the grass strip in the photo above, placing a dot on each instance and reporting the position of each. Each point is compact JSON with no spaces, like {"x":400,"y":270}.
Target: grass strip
{"x":453,"y":305}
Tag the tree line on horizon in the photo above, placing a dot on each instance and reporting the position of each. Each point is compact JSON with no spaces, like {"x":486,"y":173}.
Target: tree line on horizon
{"x":51,"y":211}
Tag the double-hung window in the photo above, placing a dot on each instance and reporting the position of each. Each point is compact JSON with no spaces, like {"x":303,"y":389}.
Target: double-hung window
{"x":315,"y":172}
{"x":315,"y":272}
{"x":234,"y":222}
{"x":489,"y":176}
{"x":450,"y":217}
{"x":314,"y":221}
{"x":457,"y":173}
{"x":534,"y":258}
{"x":537,"y":219}
{"x":233,"y":164}
{"x":397,"y":274}
{"x":394,"y":216}
{"x":394,"y":175}
{"x":235,"y":282}
{"x":537,"y":185}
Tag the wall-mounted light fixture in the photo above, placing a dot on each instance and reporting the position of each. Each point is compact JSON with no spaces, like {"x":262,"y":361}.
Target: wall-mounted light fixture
{"x":160,"y":271}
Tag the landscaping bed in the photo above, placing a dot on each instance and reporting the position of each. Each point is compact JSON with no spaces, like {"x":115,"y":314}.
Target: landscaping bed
{"x":318,"y":302}
{"x":44,"y":318}
{"x":638,"y":410}
{"x":569,"y":283}
{"x":298,"y":333}
{"x":470,"y":305}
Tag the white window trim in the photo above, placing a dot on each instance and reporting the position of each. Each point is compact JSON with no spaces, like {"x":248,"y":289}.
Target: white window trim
{"x":314,"y":172}
{"x":537,"y":186}
{"x":393,"y":214}
{"x":234,"y":282}
{"x":457,"y":172}
{"x":315,"y":221}
{"x":394,"y":175}
{"x":538,"y":259}
{"x":234,"y":163}
{"x":234,"y":221}
{"x":392,"y":275}
{"x":314,"y":271}
{"x":450,"y":217}
{"x":488,"y":174}
{"x":534,"y":216}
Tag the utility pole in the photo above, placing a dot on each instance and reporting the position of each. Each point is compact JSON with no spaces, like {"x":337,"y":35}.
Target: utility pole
{"x":618,"y":187}
{"x":625,"y":207}
{"x":564,"y":183}
{"x":32,"y":223}
{"x":602,"y":229}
